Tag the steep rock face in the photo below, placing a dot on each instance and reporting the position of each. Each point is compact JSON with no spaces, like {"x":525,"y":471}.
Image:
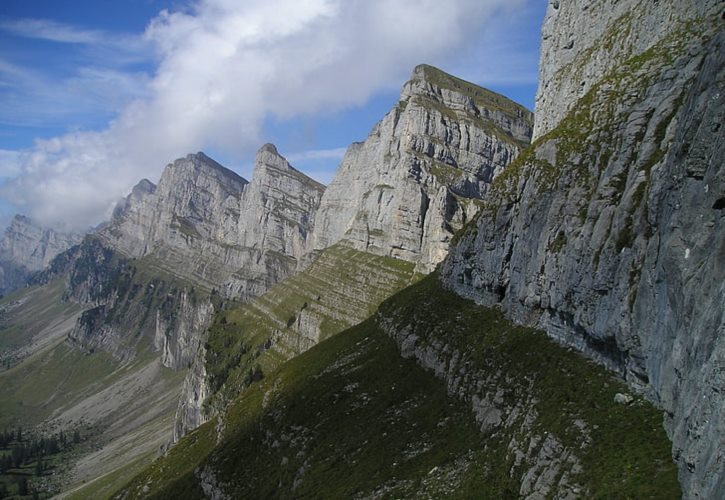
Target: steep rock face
{"x":278,"y":209}
{"x":129,"y":306}
{"x":204,"y":228}
{"x":608,"y":233}
{"x":406,"y":189}
{"x":341,"y":288}
{"x":27,"y":247}
{"x":209,"y":226}
{"x":581,"y":41}
{"x":184,"y":221}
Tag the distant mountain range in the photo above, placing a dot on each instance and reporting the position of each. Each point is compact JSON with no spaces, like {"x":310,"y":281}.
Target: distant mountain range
{"x":409,"y":329}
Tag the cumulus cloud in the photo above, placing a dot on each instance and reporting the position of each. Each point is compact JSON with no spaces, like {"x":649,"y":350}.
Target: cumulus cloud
{"x":224,"y":67}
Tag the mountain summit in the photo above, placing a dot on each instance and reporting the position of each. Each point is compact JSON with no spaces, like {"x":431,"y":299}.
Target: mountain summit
{"x":416,"y":179}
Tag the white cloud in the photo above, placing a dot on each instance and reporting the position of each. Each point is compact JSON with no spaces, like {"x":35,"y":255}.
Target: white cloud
{"x":318,"y":154}
{"x":46,"y":29}
{"x":10,"y":162}
{"x":224,"y":67}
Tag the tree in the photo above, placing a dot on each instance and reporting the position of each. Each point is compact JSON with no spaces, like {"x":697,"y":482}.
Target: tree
{"x":20,"y":434}
{"x":39,"y":467}
{"x":76,"y":436}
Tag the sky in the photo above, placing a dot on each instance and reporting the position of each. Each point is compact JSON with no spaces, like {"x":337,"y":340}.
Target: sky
{"x":98,"y":94}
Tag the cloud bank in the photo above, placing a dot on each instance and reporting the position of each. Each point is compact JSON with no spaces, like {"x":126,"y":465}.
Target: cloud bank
{"x":225,"y":66}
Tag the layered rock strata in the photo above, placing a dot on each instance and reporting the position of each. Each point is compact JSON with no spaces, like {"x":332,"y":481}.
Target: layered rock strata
{"x":414,"y":181}
{"x":608,"y":232}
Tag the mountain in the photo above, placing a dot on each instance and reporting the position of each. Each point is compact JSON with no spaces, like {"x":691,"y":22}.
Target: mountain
{"x":27,"y":247}
{"x":459,"y":314}
{"x":222,"y":280}
{"x":421,"y":172}
{"x":608,"y":233}
{"x":211,"y":227}
{"x":400,"y":194}
{"x":602,"y":239}
{"x":128,"y":306}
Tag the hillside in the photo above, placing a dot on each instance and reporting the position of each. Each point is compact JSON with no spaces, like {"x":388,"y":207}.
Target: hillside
{"x":506,"y":412}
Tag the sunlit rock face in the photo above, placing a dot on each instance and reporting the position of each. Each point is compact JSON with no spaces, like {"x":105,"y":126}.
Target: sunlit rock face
{"x":422,"y":171}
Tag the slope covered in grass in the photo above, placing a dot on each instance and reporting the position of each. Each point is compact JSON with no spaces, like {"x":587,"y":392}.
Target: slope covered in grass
{"x":352,"y":418}
{"x":32,"y":320}
{"x":341,"y":288}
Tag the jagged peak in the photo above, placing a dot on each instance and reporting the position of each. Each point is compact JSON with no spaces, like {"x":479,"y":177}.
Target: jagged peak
{"x":269,"y":148}
{"x":22,"y":219}
{"x":483,"y":98}
{"x":144,"y":186}
{"x":268,"y":157}
{"x":200,"y":161}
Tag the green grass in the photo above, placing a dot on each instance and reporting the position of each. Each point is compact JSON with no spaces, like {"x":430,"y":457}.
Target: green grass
{"x":350,"y":417}
{"x":27,"y":312}
{"x":104,"y":486}
{"x":32,"y":390}
{"x":629,"y":455}
{"x":341,"y":288}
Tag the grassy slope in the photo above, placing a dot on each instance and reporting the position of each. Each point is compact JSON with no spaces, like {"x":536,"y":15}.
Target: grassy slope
{"x":341,"y":288}
{"x":124,"y":410}
{"x":28,"y":313}
{"x":350,"y":417}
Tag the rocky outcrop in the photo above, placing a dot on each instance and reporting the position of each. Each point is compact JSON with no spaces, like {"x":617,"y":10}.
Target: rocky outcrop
{"x":205,"y":224}
{"x":416,"y":178}
{"x":277,"y":212}
{"x":341,"y":288}
{"x":127,"y":308}
{"x":190,"y":411}
{"x":581,"y":41}
{"x":27,"y":247}
{"x":183,"y":222}
{"x":608,"y":232}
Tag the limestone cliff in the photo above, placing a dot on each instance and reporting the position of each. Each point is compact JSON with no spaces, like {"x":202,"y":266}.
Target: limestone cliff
{"x":608,"y":233}
{"x":184,"y":221}
{"x":154,"y":272}
{"x":209,"y":226}
{"x":27,"y":247}
{"x":416,"y":178}
{"x":581,"y":41}
{"x":277,"y":212}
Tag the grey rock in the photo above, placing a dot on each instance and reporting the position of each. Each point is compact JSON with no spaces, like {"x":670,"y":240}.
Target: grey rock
{"x":406,"y":190}
{"x":623,"y":399}
{"x":581,"y":41}
{"x":211,"y":227}
{"x":26,"y":247}
{"x":610,"y":235}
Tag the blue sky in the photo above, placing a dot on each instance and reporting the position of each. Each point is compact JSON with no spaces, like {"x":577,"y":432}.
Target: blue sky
{"x":96,"y":94}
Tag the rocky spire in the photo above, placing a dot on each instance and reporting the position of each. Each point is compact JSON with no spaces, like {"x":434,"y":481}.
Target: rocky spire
{"x":406,"y":189}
